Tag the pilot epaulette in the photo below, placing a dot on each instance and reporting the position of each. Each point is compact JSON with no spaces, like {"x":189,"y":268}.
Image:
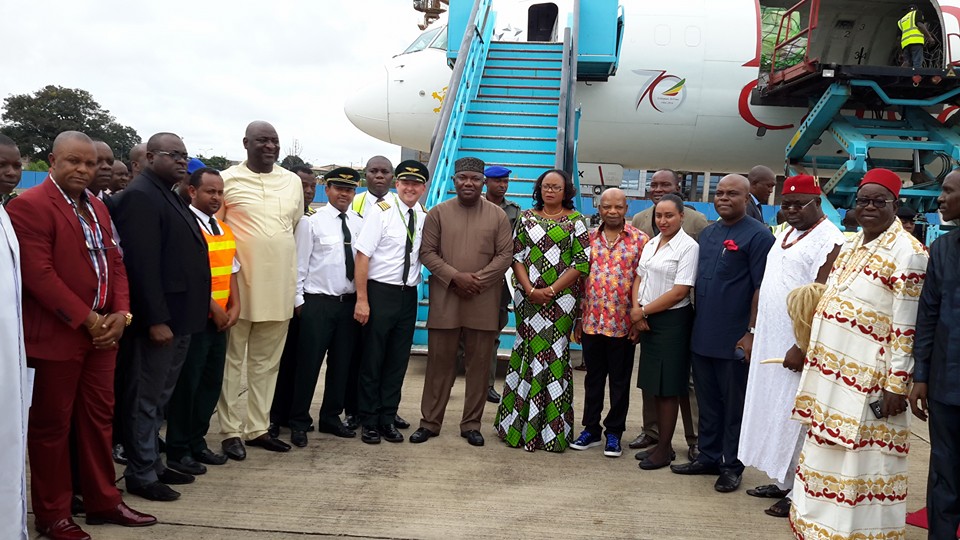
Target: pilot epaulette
{"x":383,"y":205}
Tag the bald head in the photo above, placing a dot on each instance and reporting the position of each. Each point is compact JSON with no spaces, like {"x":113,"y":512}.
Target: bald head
{"x":730,"y":200}
{"x":762,"y":182}
{"x":613,"y":209}
{"x":138,"y":159}
{"x":263,"y":146}
{"x":67,"y":137}
{"x":73,"y":162}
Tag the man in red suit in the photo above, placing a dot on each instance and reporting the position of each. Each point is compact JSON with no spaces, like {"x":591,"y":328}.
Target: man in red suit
{"x":75,"y":307}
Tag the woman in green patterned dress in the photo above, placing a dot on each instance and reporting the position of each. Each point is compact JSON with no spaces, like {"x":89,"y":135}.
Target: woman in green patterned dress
{"x":550,"y":254}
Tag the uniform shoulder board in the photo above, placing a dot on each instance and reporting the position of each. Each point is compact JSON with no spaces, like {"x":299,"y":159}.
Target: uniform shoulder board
{"x":383,"y":205}
{"x":423,"y":208}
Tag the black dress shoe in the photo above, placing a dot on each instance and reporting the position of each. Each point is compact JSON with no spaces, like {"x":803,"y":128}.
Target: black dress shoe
{"x":644,"y":454}
{"x":267,"y":442}
{"x":473,"y":437}
{"x":492,"y":395}
{"x":351,"y":422}
{"x":233,"y":448}
{"x":186,"y":465}
{"x":642,"y":441}
{"x":421,"y":435}
{"x":155,"y":491}
{"x":649,"y":465}
{"x":695,"y":467}
{"x":208,"y":457}
{"x":389,"y":433}
{"x":400,"y":423}
{"x":273,"y":430}
{"x":339,"y":430}
{"x":119,"y":456}
{"x":76,"y":505}
{"x":175,"y":478}
{"x":298,"y":438}
{"x":370,"y":435}
{"x":728,"y":481}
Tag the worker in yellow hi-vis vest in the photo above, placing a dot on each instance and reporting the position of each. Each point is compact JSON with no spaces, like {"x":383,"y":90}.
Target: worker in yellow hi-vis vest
{"x":200,"y":381}
{"x":913,"y":36}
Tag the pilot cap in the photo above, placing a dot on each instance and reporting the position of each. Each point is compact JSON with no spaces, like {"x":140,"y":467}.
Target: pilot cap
{"x":413,"y":171}
{"x":343,"y":177}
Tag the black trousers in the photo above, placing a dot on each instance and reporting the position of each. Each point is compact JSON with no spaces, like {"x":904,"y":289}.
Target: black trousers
{"x":350,"y":406}
{"x":387,"y":338}
{"x":280,"y":407}
{"x":943,"y":480}
{"x":607,"y":359}
{"x":327,"y":328}
{"x":196,"y":394}
{"x":721,"y":387}
{"x":152,"y":376}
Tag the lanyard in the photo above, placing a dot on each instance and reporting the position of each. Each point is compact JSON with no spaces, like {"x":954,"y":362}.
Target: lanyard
{"x":406,"y":227}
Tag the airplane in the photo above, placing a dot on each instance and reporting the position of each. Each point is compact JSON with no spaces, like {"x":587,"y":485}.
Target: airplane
{"x":684,"y":94}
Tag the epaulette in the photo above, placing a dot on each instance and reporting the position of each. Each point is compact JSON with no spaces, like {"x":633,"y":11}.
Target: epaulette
{"x":383,"y":205}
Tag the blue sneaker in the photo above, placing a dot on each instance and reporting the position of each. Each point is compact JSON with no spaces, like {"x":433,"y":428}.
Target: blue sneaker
{"x":585,"y":440}
{"x":612,"y":449}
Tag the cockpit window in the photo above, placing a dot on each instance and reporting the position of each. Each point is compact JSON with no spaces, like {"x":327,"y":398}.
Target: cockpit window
{"x":423,"y":41}
{"x":441,"y":41}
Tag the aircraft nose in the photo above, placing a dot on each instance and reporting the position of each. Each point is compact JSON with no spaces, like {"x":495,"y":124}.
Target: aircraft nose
{"x":368,"y":109}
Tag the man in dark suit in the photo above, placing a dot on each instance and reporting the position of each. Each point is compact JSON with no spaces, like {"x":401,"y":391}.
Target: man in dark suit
{"x":75,"y":308}
{"x":937,"y":370}
{"x":166,"y":259}
{"x":762,"y":182}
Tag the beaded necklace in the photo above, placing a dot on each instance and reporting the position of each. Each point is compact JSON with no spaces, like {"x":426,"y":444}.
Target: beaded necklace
{"x":785,"y":245}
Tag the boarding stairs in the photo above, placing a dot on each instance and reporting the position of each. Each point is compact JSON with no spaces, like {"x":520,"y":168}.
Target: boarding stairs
{"x":509,"y":104}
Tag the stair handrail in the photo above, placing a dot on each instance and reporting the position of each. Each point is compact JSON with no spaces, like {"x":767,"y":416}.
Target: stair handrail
{"x":560,"y":155}
{"x":462,"y":88}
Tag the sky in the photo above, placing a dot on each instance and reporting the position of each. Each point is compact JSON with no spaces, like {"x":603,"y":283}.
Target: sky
{"x":205,"y":69}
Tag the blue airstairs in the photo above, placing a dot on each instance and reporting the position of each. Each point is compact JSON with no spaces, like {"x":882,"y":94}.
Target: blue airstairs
{"x":509,"y":104}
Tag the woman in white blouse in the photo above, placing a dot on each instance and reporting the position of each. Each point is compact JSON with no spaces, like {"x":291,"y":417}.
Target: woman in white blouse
{"x":663,"y":313}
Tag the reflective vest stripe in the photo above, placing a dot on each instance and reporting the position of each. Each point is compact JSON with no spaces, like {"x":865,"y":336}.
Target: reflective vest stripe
{"x":910,"y":33}
{"x":221,"y":250}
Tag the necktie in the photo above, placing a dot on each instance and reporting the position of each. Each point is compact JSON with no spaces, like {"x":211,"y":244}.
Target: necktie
{"x":213,"y":227}
{"x":347,"y":249}
{"x":379,"y":199}
{"x":406,"y":253}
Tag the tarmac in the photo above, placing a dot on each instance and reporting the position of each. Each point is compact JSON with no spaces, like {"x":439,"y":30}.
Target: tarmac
{"x":444,"y":488}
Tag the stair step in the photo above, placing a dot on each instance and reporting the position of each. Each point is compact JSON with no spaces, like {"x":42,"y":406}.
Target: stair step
{"x":553,"y":100}
{"x":515,"y":144}
{"x":522,"y":71}
{"x":500,"y":129}
{"x":510,"y":106}
{"x":506,"y":151}
{"x":526,"y":45}
{"x":553,"y":81}
{"x":513,"y":63}
{"x":526,"y":56}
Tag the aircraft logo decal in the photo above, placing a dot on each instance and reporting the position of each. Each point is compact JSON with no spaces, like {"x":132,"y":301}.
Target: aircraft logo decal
{"x":439,"y":96}
{"x":664,"y":92}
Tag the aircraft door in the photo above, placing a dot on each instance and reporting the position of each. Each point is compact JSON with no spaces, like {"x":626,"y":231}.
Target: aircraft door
{"x":542,"y":22}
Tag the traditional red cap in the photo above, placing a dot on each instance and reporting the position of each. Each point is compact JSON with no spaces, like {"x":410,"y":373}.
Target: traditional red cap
{"x":802,"y":184}
{"x":885,"y":178}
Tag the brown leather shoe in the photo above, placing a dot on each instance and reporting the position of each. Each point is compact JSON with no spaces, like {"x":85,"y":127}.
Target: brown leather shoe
{"x":64,"y":529}
{"x":642,"y":441}
{"x":121,"y":515}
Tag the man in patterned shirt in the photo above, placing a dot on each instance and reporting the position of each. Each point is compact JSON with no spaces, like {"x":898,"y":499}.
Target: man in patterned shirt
{"x":604,"y":328}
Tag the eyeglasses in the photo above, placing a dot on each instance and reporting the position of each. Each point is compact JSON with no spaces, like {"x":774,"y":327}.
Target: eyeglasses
{"x":552,"y":189}
{"x":877,"y":203}
{"x":176,"y":156}
{"x":788,"y":205}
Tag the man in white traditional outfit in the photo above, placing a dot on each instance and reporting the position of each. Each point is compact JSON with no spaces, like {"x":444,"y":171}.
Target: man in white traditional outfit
{"x":852,"y":477}
{"x":802,"y":253}
{"x":14,"y":388}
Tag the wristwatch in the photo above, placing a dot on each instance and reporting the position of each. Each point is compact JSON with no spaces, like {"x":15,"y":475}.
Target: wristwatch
{"x":751,"y":330}
{"x":129,"y":319}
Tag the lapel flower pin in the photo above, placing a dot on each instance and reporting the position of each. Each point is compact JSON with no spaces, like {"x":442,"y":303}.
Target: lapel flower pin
{"x":729,"y":245}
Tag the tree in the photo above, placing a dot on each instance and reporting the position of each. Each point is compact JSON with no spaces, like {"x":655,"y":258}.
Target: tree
{"x":35,"y":120}
{"x":219,"y":163}
{"x":37,"y":166}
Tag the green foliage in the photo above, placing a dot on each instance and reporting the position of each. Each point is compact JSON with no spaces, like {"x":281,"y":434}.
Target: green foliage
{"x":219,"y":163}
{"x":34,"y":120}
{"x":293,"y":161}
{"x":38,"y":166}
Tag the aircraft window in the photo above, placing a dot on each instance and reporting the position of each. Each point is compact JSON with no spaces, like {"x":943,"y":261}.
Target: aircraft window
{"x":423,"y":41}
{"x":441,"y":41}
